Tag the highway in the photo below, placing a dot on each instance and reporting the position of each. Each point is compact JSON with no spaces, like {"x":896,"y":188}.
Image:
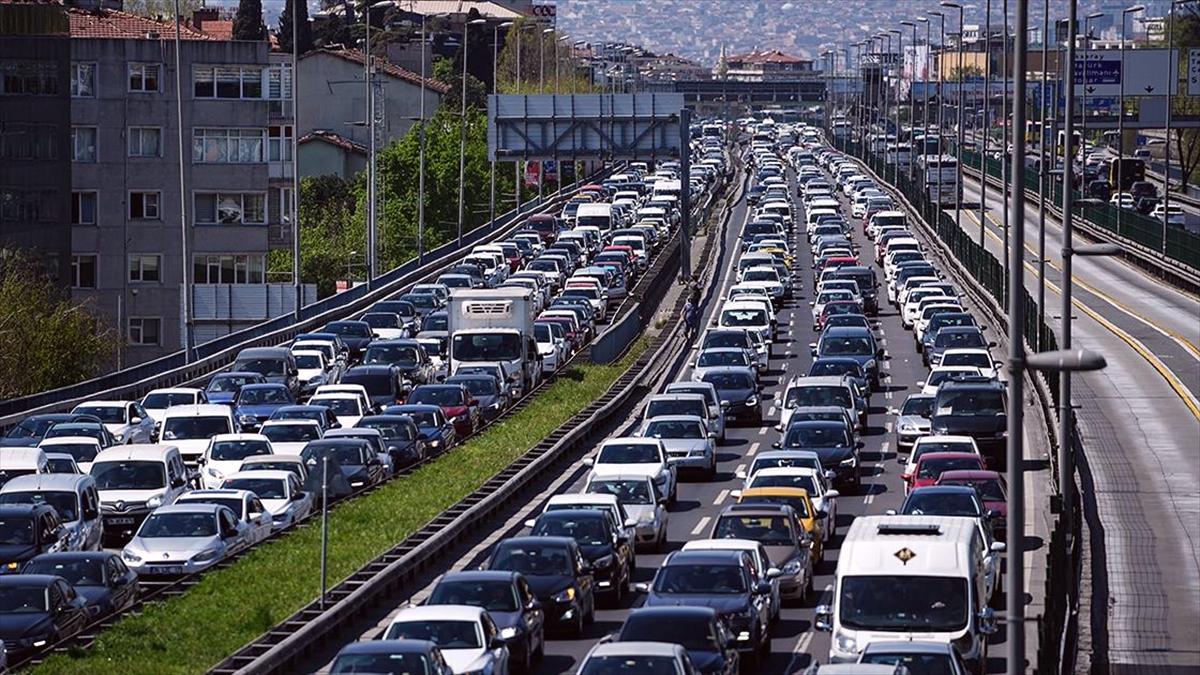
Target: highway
{"x":794,"y":641}
{"x":1139,"y":424}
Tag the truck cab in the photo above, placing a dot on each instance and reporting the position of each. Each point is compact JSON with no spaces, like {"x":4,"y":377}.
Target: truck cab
{"x":495,"y":326}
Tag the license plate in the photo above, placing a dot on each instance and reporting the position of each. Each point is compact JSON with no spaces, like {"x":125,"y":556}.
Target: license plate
{"x":165,"y":569}
{"x":120,"y":521}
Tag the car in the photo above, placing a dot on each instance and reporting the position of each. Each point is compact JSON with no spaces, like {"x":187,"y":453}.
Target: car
{"x":347,"y":408}
{"x":127,"y":421}
{"x":74,"y":500}
{"x":32,"y":430}
{"x":912,"y":421}
{"x":37,"y":610}
{"x":384,"y":383}
{"x":639,"y":498}
{"x":557,"y":574}
{"x":836,"y":366}
{"x":28,"y":530}
{"x":855,"y":343}
{"x":954,"y":337}
{"x":354,"y":457}
{"x":930,"y":465}
{"x":805,"y":392}
{"x":940,"y":321}
{"x":689,"y":444}
{"x":58,"y":462}
{"x":602,"y":542}
{"x":723,"y":581}
{"x":456,"y":403}
{"x":255,"y":403}
{"x":409,"y":355}
{"x":290,"y":436}
{"x":280,"y":492}
{"x":992,"y":490}
{"x":468,"y":637}
{"x":636,"y":455}
{"x":700,"y":631}
{"x":312,"y":369}
{"x":157,"y":401}
{"x":355,"y":334}
{"x":374,"y":439}
{"x":83,"y":449}
{"x":225,"y":454}
{"x":292,"y":464}
{"x":507,"y":597}
{"x":603,"y":503}
{"x":975,"y":407}
{"x":436,"y":432}
{"x":400,"y":435}
{"x":807,"y":478}
{"x":491,"y":398}
{"x":916,"y":657}
{"x":609,"y":658}
{"x":716,"y":416}
{"x":323,"y":416}
{"x":980,"y":359}
{"x":812,"y":519}
{"x":833,"y":443}
{"x":739,"y":391}
{"x":939,"y":375}
{"x":391,"y":657}
{"x":777,"y":527}
{"x":105,"y":583}
{"x":222,"y":388}
{"x":133,"y":481}
{"x":720,"y":357}
{"x":181,"y":539}
{"x":253,"y":520}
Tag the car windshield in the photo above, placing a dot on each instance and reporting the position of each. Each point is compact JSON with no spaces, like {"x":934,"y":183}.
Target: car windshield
{"x":391,"y":431}
{"x":768,"y":530}
{"x":264,"y":367}
{"x":675,"y":429}
{"x":346,"y":455}
{"x":722,"y":380}
{"x":918,"y":406}
{"x":166,"y":400}
{"x":486,"y":347}
{"x":831,"y":346}
{"x":799,"y":504}
{"x":225,"y":384}
{"x":382,"y":320}
{"x":265,"y":488}
{"x":822,"y":367}
{"x":630,"y":665}
{"x":444,"y":634}
{"x":401,"y":355}
{"x":494,"y":595}
{"x":817,"y":437}
{"x":533,"y":560}
{"x":722,"y":358}
{"x":129,"y":475}
{"x":31,"y":428}
{"x":163,"y":525}
{"x":479,"y":386}
{"x":291,"y":433}
{"x":439,"y":396}
{"x":803,"y":481}
{"x":907,"y":603}
{"x":971,"y":403}
{"x":587,"y":531}
{"x":941,"y":504}
{"x":348,"y":329}
{"x":308,"y":361}
{"x":180,"y":428}
{"x":225,"y":451}
{"x":108,"y":414}
{"x":959,"y":340}
{"x":976,"y":359}
{"x":932,"y":468}
{"x":289,"y":466}
{"x":690,"y":633}
{"x":989,"y":489}
{"x":232,"y":503}
{"x":817,"y":395}
{"x":94,"y":430}
{"x":700,"y":579}
{"x":937,"y":377}
{"x":16,"y":531}
{"x":23,"y":599}
{"x":381,"y":664}
{"x":376,"y":384}
{"x":626,"y":491}
{"x":925,"y":664}
{"x":744,"y":317}
{"x":340,"y":406}
{"x":77,"y":572}
{"x":66,"y":503}
{"x":717,"y":340}
{"x":61,"y":465}
{"x":263,"y":396}
{"x":629,"y":453}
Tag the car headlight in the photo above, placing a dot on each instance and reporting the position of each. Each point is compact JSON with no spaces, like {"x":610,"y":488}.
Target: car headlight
{"x":908,"y":426}
{"x":280,"y":517}
{"x":127,"y":556}
{"x":154,"y":502}
{"x":435,"y":443}
{"x":316,"y":379}
{"x":212,"y":471}
{"x":846,"y":642}
{"x":508,"y":632}
{"x":603,"y":563}
{"x":459,"y":418}
{"x":660,"y":479}
{"x":793,"y":567}
{"x":206,"y":555}
{"x":646,"y":518}
{"x":565,"y":595}
{"x":247,"y":420}
{"x":752,"y":400}
{"x":119,"y":436}
{"x":12,"y":566}
{"x":849,"y":461}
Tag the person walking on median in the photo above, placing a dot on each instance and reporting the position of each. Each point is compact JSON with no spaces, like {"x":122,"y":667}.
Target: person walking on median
{"x":690,"y":316}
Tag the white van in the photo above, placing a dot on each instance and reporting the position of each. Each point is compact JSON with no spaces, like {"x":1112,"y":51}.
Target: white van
{"x":133,"y":480}
{"x":17,"y":461}
{"x":595,"y":215}
{"x":904,"y":578}
{"x":191,"y":427}
{"x":75,"y":498}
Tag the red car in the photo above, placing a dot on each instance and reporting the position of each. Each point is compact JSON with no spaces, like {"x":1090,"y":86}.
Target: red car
{"x":931,"y":465}
{"x":545,"y":225}
{"x":833,"y":263}
{"x":456,"y":403}
{"x":992,"y":489}
{"x":629,"y":250}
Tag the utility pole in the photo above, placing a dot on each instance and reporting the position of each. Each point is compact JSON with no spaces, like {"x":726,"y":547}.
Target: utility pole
{"x":420,"y":158}
{"x":899,"y":72}
{"x":1006,"y":101}
{"x":1121,"y":119}
{"x":1066,"y":428}
{"x":912,"y":113}
{"x":184,"y":230}
{"x":462,"y":135}
{"x":495,"y":90}
{"x":987,"y":105}
{"x":371,"y":215}
{"x":1043,"y":171}
{"x":295,"y":201}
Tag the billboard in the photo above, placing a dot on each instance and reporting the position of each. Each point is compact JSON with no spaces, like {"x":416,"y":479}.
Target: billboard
{"x":1193,"y":72}
{"x":1140,"y":72}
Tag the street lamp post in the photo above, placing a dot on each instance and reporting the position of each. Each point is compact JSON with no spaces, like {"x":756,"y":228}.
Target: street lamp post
{"x":925,"y":83}
{"x":462,"y":133}
{"x":900,"y":50}
{"x":959,"y":136}
{"x":1006,"y":104}
{"x":1174,"y":80}
{"x":1043,"y":172}
{"x":495,"y":90}
{"x":517,"y":163}
{"x":421,"y":159}
{"x":294,"y":206}
{"x":912,"y":113}
{"x":1087,"y":48}
{"x":1121,"y":116}
{"x":879,"y":107}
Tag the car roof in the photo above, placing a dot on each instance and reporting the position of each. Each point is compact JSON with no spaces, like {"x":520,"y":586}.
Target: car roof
{"x":135,"y":451}
{"x":480,"y":575}
{"x":970,"y":474}
{"x":389,"y":647}
{"x":818,"y":381}
{"x":104,"y":403}
{"x":585,"y":497}
{"x":192,"y":507}
{"x":294,"y":420}
{"x":846,"y":330}
{"x":263,"y":352}
{"x":276,"y":474}
{"x":775,"y":491}
{"x":63,"y":440}
{"x":944,"y":490}
{"x":946,"y":455}
{"x":199,"y":409}
{"x":47,"y":481}
{"x":638,"y":648}
{"x":443,"y":612}
{"x":36,"y":580}
{"x":703,"y":557}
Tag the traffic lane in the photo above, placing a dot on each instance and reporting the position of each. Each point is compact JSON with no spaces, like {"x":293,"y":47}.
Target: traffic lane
{"x":1141,"y":308}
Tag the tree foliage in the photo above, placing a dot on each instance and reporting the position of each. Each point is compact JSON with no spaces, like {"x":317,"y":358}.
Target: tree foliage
{"x":537,"y":58}
{"x":248,"y":22}
{"x":161,"y":8}
{"x":1186,"y":36}
{"x":957,"y":74}
{"x":450,"y":72}
{"x":304,"y":33}
{"x":49,"y":341}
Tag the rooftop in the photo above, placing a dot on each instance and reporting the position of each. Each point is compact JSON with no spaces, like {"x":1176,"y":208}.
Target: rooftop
{"x":382,"y":66}
{"x":110,"y":24}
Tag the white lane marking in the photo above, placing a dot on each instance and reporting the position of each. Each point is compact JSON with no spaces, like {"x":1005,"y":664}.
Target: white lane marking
{"x":887,"y":395}
{"x":785,"y":363}
{"x":801,"y":649}
{"x":870,"y":498}
{"x":884,"y":448}
{"x":762,"y":431}
{"x":887,"y":428}
{"x":700,"y":525}
{"x":720,"y":497}
{"x":740,"y":468}
{"x":753,"y":449}
{"x":771,"y":410}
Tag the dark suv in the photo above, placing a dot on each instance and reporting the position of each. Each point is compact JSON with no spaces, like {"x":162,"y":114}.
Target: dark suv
{"x":26,"y":531}
{"x":975,"y":407}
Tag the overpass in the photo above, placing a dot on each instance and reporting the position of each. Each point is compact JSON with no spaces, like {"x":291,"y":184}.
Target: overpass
{"x":713,"y":95}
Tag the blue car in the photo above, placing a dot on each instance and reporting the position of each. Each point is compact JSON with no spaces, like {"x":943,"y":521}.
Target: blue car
{"x":852,"y":342}
{"x":509,"y":600}
{"x":27,"y":622}
{"x":223,"y":387}
{"x":32,"y":430}
{"x":436,"y":430}
{"x":699,"y":630}
{"x":255,"y":403}
{"x":100,"y":577}
{"x":401,"y":437}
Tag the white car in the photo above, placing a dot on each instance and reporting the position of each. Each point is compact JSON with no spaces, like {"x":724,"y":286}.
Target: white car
{"x":125,"y":420}
{"x":825,"y":298}
{"x":83,"y":448}
{"x":927,"y":312}
{"x":913,"y":312}
{"x":157,"y":401}
{"x":824,"y":498}
{"x":766,"y":278}
{"x":940,"y":374}
{"x":747,"y":315}
{"x":646,"y":456}
{"x":926,"y":444}
{"x":183,"y":538}
{"x":467,"y":635}
{"x":281,"y":493}
{"x":347,"y":408}
{"x":288,"y":437}
{"x":225,"y":453}
{"x":357,"y":389}
{"x":311,"y":368}
{"x":640,"y":498}
{"x":253,"y":519}
{"x":977,"y":358}
{"x":1176,"y":216}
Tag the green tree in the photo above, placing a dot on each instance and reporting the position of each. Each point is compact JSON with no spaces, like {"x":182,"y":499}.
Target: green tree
{"x":304,"y":34}
{"x":1186,"y":29}
{"x":957,"y":74}
{"x":161,"y":8}
{"x":49,"y":341}
{"x":450,"y":72}
{"x":537,"y":52}
{"x":248,"y":22}
{"x":332,"y":234}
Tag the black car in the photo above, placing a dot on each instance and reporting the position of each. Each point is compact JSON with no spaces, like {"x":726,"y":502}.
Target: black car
{"x":604,"y":546}
{"x":557,"y":574}
{"x":699,"y":630}
{"x":868,"y":285}
{"x":384,"y":383}
{"x":106,"y":584}
{"x":406,"y":354}
{"x":509,"y":600}
{"x":355,"y":457}
{"x":834,"y":445}
{"x":436,"y":321}
{"x":31,"y":430}
{"x":315,"y":483}
{"x":356,"y":334}
{"x":320,"y":414}
{"x":738,"y":389}
{"x":26,"y":531}
{"x":975,"y":407}
{"x":484,"y":388}
{"x":37,"y":610}
{"x":401,"y":437}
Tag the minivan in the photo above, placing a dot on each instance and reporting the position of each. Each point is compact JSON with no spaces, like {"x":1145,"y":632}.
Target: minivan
{"x":15,"y":462}
{"x":73,"y":496}
{"x":276,"y":364}
{"x":133,"y":480}
{"x":190,"y":427}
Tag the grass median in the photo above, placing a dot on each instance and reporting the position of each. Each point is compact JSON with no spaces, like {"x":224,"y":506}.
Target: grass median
{"x":228,"y":608}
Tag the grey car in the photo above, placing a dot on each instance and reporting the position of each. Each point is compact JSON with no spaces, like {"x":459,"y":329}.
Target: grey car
{"x":690,"y":445}
{"x":716,"y":417}
{"x":183,"y":538}
{"x":721,"y":357}
{"x":913,"y":420}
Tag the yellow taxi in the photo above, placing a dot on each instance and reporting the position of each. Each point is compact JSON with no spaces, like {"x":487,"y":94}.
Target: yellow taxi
{"x":780,"y":254}
{"x":798,"y":499}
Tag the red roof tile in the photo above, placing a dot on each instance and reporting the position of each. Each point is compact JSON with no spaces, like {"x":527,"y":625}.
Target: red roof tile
{"x":121,"y":25}
{"x":220,"y":29}
{"x":383,"y":66}
{"x":333,"y":138}
{"x":769,"y":56}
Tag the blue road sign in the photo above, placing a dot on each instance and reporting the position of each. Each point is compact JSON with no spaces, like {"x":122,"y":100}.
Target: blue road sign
{"x":1098,"y":72}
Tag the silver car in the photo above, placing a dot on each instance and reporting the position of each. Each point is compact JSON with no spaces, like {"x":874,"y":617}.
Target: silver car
{"x":719,"y":358}
{"x":127,"y":421}
{"x":715,"y":415}
{"x":183,"y":538}
{"x":642,"y":501}
{"x":690,"y":445}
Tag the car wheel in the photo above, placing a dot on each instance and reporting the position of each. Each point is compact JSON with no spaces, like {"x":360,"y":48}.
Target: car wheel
{"x":661,"y":543}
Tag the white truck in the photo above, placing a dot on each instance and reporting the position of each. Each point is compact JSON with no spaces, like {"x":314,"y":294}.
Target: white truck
{"x":495,"y":326}
{"x":940,"y":175}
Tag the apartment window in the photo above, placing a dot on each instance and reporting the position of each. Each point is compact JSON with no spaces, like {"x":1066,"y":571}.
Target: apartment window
{"x":83,"y":271}
{"x":145,"y":331}
{"x":144,"y":268}
{"x":228,"y":82}
{"x":143,"y":77}
{"x":30,"y":78}
{"x":279,"y":143}
{"x":281,"y":199}
{"x":145,"y":141}
{"x":279,"y":83}
{"x":28,"y":141}
{"x":230,"y":208}
{"x":83,"y":207}
{"x":227,"y":146}
{"x":228,"y":268}
{"x":83,"y":144}
{"x":28,"y":206}
{"x":143,"y":205}
{"x":83,"y":80}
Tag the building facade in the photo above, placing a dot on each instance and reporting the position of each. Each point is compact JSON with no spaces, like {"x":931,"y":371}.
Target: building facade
{"x":765,"y":66}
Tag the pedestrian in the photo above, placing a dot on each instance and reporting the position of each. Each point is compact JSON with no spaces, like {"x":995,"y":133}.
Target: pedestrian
{"x":694,"y":290}
{"x":690,"y":315}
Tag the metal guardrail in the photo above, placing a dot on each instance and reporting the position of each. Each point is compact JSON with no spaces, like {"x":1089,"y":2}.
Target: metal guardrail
{"x":173,"y":370}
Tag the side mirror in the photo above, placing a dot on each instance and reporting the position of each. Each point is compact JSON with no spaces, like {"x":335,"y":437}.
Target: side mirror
{"x":860,"y":445}
{"x":824,"y":618}
{"x":496,"y":642}
{"x":762,"y":587}
{"x":736,"y":494}
{"x":178,"y":483}
{"x":777,"y":445}
{"x":297,"y":496}
{"x":822,"y":514}
{"x":906,"y":477}
{"x":530,"y":523}
{"x":998,"y":547}
{"x":588,"y":461}
{"x":641,"y":587}
{"x":987,"y":621}
{"x":833,"y":494}
{"x":712,"y":434}
{"x":229,"y":534}
{"x":830,"y":474}
{"x":631,"y":522}
{"x":992,"y":343}
{"x":992,"y":514}
{"x":774,"y":573}
{"x":135,"y":420}
{"x":879,"y":353}
{"x":890,"y":512}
